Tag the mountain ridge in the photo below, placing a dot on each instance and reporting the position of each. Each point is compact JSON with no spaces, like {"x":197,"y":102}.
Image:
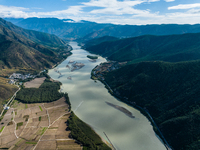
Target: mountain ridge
{"x":172,"y":48}
{"x":17,"y":50}
{"x":86,"y":30}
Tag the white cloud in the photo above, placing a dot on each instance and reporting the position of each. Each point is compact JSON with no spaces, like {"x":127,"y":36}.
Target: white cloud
{"x":12,"y":11}
{"x":112,"y":3}
{"x":153,"y":1}
{"x":73,"y":10}
{"x":116,"y":7}
{"x":113,"y":11}
{"x":169,"y":0}
{"x":185,"y":6}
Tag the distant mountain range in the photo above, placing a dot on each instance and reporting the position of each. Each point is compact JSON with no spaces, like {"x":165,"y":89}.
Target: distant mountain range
{"x":66,"y":28}
{"x":30,"y":49}
{"x":85,"y":30}
{"x":172,"y":48}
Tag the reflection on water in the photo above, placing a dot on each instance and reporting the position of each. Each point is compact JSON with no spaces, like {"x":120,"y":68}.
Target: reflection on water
{"x":88,"y":99}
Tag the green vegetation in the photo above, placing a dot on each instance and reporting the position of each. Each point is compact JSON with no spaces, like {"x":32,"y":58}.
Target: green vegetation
{"x":85,"y":135}
{"x":26,"y":106}
{"x":92,"y":57}
{"x":43,"y":130}
{"x":47,"y":92}
{"x":10,"y":123}
{"x":31,"y":142}
{"x":19,"y":124}
{"x":169,"y":92}
{"x":2,"y":129}
{"x":96,"y":41}
{"x":40,"y":108}
{"x":26,"y":117}
{"x":40,"y":118}
{"x":172,"y":48}
{"x":67,"y":100}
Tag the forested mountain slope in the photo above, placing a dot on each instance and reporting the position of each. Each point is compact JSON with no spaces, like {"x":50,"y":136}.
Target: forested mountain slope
{"x":172,"y":48}
{"x":170,"y":92}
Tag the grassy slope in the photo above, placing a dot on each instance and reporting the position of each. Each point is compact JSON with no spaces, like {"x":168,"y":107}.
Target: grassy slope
{"x":170,"y":92}
{"x":18,"y":51}
{"x":171,"y":48}
{"x":6,"y":91}
{"x":38,"y":37}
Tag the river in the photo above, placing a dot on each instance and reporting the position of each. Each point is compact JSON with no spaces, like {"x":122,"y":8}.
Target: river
{"x":88,"y":100}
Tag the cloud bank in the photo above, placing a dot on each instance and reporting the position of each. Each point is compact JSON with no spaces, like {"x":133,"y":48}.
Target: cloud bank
{"x":114,"y":11}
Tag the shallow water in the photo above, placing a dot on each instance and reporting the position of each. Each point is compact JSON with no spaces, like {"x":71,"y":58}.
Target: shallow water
{"x":88,"y":99}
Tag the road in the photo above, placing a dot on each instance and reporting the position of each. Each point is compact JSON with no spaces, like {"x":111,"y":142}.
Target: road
{"x":10,"y":101}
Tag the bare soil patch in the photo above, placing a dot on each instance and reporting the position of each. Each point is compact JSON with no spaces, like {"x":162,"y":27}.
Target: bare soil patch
{"x":34,"y":83}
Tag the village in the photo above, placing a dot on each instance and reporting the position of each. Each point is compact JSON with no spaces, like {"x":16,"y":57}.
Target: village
{"x":15,"y":77}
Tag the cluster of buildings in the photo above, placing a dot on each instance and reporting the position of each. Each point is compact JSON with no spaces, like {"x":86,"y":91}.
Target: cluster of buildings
{"x":16,"y":76}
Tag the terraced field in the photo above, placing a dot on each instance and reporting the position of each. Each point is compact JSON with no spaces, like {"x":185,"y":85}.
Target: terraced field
{"x":39,"y":126}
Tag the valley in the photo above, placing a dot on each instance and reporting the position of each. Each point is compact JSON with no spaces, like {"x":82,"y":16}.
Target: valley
{"x":130,"y":85}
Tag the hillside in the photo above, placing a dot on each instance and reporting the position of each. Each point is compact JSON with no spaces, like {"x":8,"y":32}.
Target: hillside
{"x":6,"y":91}
{"x":126,"y":31}
{"x":170,"y":92}
{"x":97,"y":41}
{"x":21,"y":48}
{"x":172,"y":48}
{"x":38,"y":37}
{"x":86,"y":30}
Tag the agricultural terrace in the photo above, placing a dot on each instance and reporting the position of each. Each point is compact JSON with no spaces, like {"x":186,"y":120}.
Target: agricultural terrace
{"x":36,"y":126}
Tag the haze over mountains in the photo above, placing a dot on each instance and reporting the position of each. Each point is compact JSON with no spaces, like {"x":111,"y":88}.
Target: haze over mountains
{"x":86,"y":30}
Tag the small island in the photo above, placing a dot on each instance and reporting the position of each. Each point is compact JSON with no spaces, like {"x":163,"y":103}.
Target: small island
{"x":92,"y":57}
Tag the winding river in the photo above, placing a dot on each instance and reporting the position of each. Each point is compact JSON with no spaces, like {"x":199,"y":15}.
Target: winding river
{"x":90,"y":101}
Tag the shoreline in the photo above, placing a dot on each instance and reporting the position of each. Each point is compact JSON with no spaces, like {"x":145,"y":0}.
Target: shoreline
{"x":142,"y":111}
{"x":103,"y":140}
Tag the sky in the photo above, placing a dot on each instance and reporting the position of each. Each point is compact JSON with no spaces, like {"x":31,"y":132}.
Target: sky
{"x":134,"y":12}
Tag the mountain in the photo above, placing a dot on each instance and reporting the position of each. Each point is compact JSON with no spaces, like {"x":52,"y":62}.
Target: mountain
{"x":172,"y":48}
{"x":85,"y":30}
{"x":170,"y":93}
{"x":24,"y":48}
{"x":66,"y":28}
{"x":97,"y":41}
{"x":39,"y":37}
{"x":126,"y":31}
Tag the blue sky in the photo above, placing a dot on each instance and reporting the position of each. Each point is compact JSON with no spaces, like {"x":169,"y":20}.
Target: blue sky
{"x":135,"y":12}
